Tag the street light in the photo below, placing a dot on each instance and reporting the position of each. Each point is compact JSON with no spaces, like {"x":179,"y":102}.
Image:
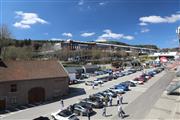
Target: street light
{"x":178,"y":33}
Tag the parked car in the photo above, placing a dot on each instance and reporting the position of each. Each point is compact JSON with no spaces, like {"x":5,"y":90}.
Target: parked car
{"x":132,"y":70}
{"x":117,"y":90}
{"x":104,"y":79}
{"x":126,"y":73}
{"x":93,"y":102}
{"x":133,"y":81}
{"x":120,"y":74}
{"x":98,"y":81}
{"x":97,"y":98}
{"x":41,"y":118}
{"x":125,"y":87}
{"x":73,"y":81}
{"x":100,"y":95}
{"x":64,"y":115}
{"x":110,"y":93}
{"x":90,"y":83}
{"x":138,"y":81}
{"x":82,"y":109}
{"x":84,"y":76}
{"x":129,"y":83}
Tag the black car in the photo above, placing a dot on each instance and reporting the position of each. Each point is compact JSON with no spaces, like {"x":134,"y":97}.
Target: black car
{"x":41,"y":118}
{"x":129,"y":83}
{"x":97,"y":98}
{"x":110,"y":93}
{"x":95,"y":103}
{"x":132,"y":70}
{"x":82,"y":109}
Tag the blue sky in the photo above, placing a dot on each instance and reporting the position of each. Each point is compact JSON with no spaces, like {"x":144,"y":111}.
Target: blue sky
{"x":129,"y":21}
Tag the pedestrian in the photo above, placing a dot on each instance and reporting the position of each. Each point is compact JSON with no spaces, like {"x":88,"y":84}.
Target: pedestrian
{"x":62,"y":103}
{"x":110,"y":100}
{"x":88,"y":114}
{"x":118,"y":99}
{"x":106,"y":100}
{"x":121,"y":113}
{"x":93,"y":85}
{"x":100,"y":84}
{"x":104,"y":111}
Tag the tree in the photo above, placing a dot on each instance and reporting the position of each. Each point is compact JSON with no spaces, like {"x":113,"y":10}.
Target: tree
{"x":5,"y":38}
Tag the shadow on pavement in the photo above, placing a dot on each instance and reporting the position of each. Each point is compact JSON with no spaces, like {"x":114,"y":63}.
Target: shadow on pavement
{"x":72,"y":93}
{"x":175,"y":93}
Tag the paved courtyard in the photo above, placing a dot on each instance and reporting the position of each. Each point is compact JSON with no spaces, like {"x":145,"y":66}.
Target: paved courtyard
{"x":139,"y":100}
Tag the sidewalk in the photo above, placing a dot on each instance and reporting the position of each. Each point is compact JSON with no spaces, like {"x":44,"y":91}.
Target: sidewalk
{"x":167,"y":106}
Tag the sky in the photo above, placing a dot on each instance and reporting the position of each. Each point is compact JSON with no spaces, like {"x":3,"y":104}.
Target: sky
{"x":129,"y":21}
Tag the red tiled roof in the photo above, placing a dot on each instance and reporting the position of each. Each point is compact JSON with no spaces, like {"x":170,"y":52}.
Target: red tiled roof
{"x":27,"y":70}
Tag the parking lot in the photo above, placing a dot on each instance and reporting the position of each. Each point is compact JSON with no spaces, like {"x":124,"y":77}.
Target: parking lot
{"x":129,"y":98}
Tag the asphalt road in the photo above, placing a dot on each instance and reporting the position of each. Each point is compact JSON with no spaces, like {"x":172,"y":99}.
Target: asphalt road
{"x":141,"y":106}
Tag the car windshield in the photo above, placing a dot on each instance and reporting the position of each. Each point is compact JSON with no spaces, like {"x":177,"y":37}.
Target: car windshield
{"x":65,"y":113}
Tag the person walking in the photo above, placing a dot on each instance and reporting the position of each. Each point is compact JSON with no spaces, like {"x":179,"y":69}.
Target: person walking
{"x":110,"y":100}
{"x":104,"y":111}
{"x":106,"y":100}
{"x":62,"y":103}
{"x":118,"y":99}
{"x":88,"y":114}
{"x":93,"y":86}
{"x":121,"y":113}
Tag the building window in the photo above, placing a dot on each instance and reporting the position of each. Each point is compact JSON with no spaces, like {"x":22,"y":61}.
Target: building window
{"x":13,"y":87}
{"x":13,"y":100}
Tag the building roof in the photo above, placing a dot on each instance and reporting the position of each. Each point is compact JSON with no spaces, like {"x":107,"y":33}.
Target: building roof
{"x":91,"y":66}
{"x":72,"y":69}
{"x":28,"y":70}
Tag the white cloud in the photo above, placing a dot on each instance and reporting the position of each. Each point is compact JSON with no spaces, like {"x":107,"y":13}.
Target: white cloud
{"x":109,"y":35}
{"x":128,"y":37}
{"x":20,"y":25}
{"x":142,"y":24}
{"x":158,"y":19}
{"x":27,"y":19}
{"x":143,"y":30}
{"x":102,"y":3}
{"x":87,"y":34}
{"x":67,"y":34}
{"x":81,"y":2}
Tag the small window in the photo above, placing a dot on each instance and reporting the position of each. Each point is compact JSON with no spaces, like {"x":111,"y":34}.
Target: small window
{"x":13,"y":88}
{"x":13,"y":100}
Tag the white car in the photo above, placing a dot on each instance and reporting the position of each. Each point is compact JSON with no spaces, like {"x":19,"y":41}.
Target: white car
{"x":117,"y":90}
{"x":64,"y":115}
{"x":136,"y":82}
{"x":97,"y":81}
{"x":133,"y":81}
